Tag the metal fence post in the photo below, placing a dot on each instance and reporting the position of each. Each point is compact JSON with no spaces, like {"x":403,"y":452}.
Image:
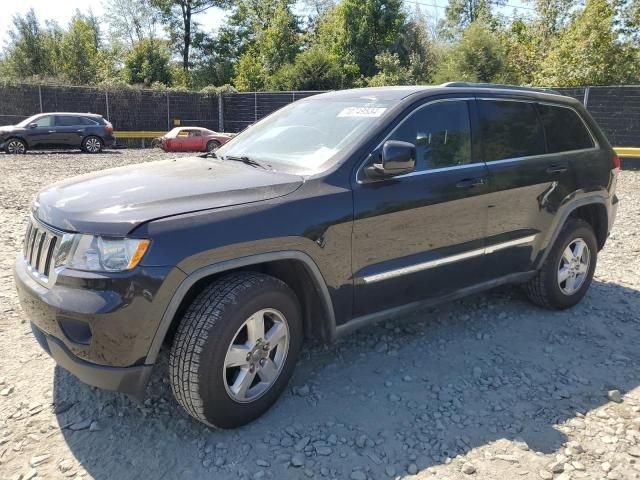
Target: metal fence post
{"x":168,"y":114}
{"x":106,"y":101}
{"x":221,"y":112}
{"x":586,"y":96}
{"x":40,"y":97}
{"x":255,"y":106}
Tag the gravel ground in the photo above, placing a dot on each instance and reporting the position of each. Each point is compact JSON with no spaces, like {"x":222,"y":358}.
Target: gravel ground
{"x":487,"y":388}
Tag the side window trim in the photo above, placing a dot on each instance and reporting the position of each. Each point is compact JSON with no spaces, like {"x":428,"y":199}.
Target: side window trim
{"x":474,"y":161}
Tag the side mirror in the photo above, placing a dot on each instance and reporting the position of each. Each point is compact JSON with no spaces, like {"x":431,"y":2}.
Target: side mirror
{"x":397,"y":158}
{"x":33,"y":125}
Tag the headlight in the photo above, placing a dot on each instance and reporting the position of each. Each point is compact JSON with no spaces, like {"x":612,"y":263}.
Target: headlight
{"x":100,"y":254}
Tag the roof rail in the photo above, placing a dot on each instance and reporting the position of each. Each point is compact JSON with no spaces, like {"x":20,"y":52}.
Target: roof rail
{"x":497,"y":85}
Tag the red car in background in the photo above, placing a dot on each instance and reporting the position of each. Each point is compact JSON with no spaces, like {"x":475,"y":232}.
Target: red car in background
{"x":191,"y":139}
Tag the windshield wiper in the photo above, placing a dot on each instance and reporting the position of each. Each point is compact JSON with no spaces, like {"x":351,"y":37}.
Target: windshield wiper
{"x":246,"y":160}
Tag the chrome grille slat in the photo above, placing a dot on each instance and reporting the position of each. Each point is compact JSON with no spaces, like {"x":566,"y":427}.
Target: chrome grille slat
{"x":39,"y":250}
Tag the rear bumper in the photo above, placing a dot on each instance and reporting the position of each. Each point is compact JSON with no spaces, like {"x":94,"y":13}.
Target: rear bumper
{"x":130,"y":380}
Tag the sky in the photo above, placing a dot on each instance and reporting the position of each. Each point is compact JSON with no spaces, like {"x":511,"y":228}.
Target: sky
{"x":63,"y":10}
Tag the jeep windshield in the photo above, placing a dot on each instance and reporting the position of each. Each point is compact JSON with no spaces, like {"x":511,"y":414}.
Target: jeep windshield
{"x":305,"y":135}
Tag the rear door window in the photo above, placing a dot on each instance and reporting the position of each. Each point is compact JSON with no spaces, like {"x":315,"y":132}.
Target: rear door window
{"x":68,"y":121}
{"x":564,"y":129}
{"x":509,"y":129}
{"x":441,"y":133}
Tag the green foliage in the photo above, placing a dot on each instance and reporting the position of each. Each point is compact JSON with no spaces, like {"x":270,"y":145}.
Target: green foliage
{"x":390,"y":71}
{"x":265,"y":45}
{"x":80,"y":56}
{"x":477,"y":57}
{"x":313,"y":69}
{"x":589,"y":51}
{"x":147,"y":63}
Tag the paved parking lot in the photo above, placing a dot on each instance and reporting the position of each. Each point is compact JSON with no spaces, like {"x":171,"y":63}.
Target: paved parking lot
{"x":489,"y":387}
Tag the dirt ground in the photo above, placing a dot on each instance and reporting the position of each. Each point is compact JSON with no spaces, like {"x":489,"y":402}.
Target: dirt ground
{"x":489,"y":387}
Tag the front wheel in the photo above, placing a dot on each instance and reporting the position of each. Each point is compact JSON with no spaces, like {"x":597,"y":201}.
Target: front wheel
{"x":568,"y":270}
{"x":235,"y":349}
{"x":92,"y":144}
{"x":213,"y":145}
{"x":15,"y":146}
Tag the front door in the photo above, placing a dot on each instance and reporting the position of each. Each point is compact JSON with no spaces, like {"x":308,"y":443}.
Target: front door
{"x":42,"y":132}
{"x":421,"y":234}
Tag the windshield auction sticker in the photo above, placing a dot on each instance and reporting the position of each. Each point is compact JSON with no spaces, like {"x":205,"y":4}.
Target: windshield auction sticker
{"x":362,"y":112}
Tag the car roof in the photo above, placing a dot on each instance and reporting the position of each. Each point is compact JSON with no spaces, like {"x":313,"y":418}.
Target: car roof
{"x":399,"y":93}
{"x":75,"y":114}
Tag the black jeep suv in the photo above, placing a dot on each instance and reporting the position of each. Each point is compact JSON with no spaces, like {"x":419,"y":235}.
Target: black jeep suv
{"x":332,"y":213}
{"x":46,"y":131}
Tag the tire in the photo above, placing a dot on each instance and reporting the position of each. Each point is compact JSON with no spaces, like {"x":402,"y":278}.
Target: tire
{"x":156,"y":143}
{"x":92,"y":144}
{"x":203,"y":379}
{"x":212,"y":145}
{"x":547,"y":288}
{"x":15,"y":146}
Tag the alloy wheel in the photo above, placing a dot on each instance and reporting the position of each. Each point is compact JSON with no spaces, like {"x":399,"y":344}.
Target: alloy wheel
{"x":574,"y":266}
{"x":256,"y":355}
{"x":93,"y":145}
{"x":16,"y":146}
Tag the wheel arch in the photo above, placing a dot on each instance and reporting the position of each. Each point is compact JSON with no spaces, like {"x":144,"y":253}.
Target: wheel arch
{"x":17,"y":137}
{"x":295,"y":268}
{"x":592,"y":209}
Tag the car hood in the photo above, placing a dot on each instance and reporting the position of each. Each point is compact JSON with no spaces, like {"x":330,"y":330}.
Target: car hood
{"x":115,"y":201}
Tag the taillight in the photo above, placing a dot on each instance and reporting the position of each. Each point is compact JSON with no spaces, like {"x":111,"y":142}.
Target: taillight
{"x":616,"y":162}
{"x":109,"y":128}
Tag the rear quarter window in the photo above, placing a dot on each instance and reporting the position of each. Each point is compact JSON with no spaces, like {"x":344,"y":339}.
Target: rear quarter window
{"x":564,"y":129}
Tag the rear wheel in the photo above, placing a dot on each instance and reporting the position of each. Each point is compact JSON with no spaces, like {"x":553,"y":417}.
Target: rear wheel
{"x":92,"y":144}
{"x":212,"y":145}
{"x":568,"y":270}
{"x":15,"y":146}
{"x":235,"y":349}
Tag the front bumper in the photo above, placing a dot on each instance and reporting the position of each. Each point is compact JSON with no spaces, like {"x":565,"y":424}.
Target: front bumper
{"x":99,"y":327}
{"x":131,"y":380}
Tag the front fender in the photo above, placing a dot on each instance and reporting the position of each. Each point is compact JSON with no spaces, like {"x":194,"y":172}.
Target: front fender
{"x":228,"y":265}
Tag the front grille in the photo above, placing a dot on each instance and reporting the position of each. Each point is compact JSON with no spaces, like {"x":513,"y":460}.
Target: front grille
{"x":40,"y":244}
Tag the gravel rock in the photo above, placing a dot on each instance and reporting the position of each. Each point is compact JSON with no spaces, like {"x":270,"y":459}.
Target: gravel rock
{"x":468,"y":469}
{"x":614,"y":396}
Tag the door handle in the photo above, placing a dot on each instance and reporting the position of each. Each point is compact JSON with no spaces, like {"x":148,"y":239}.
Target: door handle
{"x":557,"y":168}
{"x":52,"y":131}
{"x":470,"y":182}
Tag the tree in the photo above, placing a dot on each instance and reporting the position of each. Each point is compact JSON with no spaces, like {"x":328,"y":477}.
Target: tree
{"x":131,"y":20}
{"x":272,"y":39}
{"x":178,"y":14}
{"x":79,"y":50}
{"x":459,"y":14}
{"x":147,"y":63}
{"x":28,"y":51}
{"x":371,"y":27}
{"x":551,"y":16}
{"x":390,"y":71}
{"x":313,"y":69}
{"x":477,"y":57}
{"x":589,"y":51}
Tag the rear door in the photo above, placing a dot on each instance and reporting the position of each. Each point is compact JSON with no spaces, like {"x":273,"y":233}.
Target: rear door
{"x":70,"y":130}
{"x":527,"y":182}
{"x":421,"y":234}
